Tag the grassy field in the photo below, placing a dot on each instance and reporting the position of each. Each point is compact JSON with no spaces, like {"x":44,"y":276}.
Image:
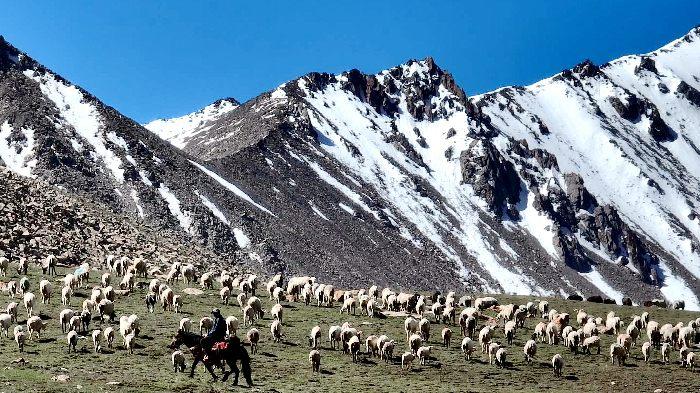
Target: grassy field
{"x":284,"y":366}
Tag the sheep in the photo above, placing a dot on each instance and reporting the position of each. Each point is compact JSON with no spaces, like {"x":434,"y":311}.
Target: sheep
{"x":19,"y":339}
{"x":35,"y":325}
{"x":509,"y":332}
{"x":530,"y":350}
{"x":520,"y":317}
{"x":315,"y":360}
{"x":424,"y":328}
{"x":277,"y":312}
{"x":644,"y":319}
{"x":690,"y":361}
{"x":318,"y":294}
{"x":686,"y":336}
{"x":446,"y":337}
{"x":130,"y":342}
{"x":557,"y":365}
{"x":178,"y":360}
{"x":420,"y":305}
{"x":354,"y":346}
{"x":64,"y":318}
{"x":386,"y":351}
{"x":29,"y":303}
{"x":392,"y":303}
{"x":205,"y":325}
{"x":231,"y":325}
{"x":407,"y":360}
{"x":448,"y":314}
{"x":501,"y":357}
{"x":646,"y":351}
{"x":506,"y":313}
{"x":590,"y":342}
{"x":154,"y":287}
{"x":106,"y":279}
{"x":573,"y":339}
{"x":424,"y":354}
{"x":278,"y":294}
{"x":206,"y":281}
{"x":492,"y":350}
{"x":24,"y":284}
{"x":189,"y":273}
{"x":483,"y":303}
{"x":225,"y":294}
{"x":372,"y":345}
{"x":22,"y":266}
{"x":410,"y":326}
{"x":166,"y":299}
{"x":150,"y":301}
{"x":185,"y":325}
{"x":276,"y":330}
{"x":485,"y":338}
{"x":11,"y":310}
{"x":590,"y":329}
{"x":468,"y":347}
{"x":253,"y":336}
{"x":106,"y":309}
{"x":334,"y":336}
{"x":669,"y":333}
{"x":654,"y":333}
{"x":625,"y":340}
{"x":177,"y":304}
{"x":248,"y":316}
{"x":544,"y":308}
{"x":46,"y":289}
{"x":109,"y":293}
{"x":108,"y":334}
{"x":618,"y":352}
{"x":415,"y":342}
{"x":552,"y":333}
{"x":581,"y":317}
{"x":348,"y":304}
{"x":4,"y":264}
{"x":5,"y":323}
{"x":127,"y":282}
{"x":437,"y":310}
{"x":242,"y":299}
{"x":72,"y":339}
{"x":66,"y":293}
{"x":48,"y":265}
{"x":85,"y":318}
{"x":296,"y":284}
{"x":12,"y":288}
{"x":386,"y":292}
{"x":665,"y":353}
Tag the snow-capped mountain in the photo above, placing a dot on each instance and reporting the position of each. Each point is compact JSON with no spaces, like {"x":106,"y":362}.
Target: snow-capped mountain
{"x":585,"y":182}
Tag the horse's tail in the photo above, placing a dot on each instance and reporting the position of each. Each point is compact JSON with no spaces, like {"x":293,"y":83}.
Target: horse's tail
{"x":245,"y":366}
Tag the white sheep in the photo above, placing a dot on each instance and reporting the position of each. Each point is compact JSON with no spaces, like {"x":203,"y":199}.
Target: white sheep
{"x":166,"y":299}
{"x":278,"y":294}
{"x":407,"y":360}
{"x":130,"y":342}
{"x":72,"y":339}
{"x":242,"y":299}
{"x":315,"y":337}
{"x":206,"y":281}
{"x":66,"y":293}
{"x":12,"y":288}
{"x":225,"y":294}
{"x":29,"y":303}
{"x":553,"y":333}
{"x":618,"y":352}
{"x":5,"y":323}
{"x":276,"y":330}
{"x":177,"y":304}
{"x":253,"y":336}
{"x":97,"y":340}
{"x":232,"y":325}
{"x":19,"y":339}
{"x":591,"y":342}
{"x":371,"y":307}
{"x":315,"y":360}
{"x":334,"y":336}
{"x":483,"y":303}
{"x":348,"y":305}
{"x":446,"y":337}
{"x":424,"y":328}
{"x":665,"y":353}
{"x":410,"y":327}
{"x":541,"y":331}
{"x":530,"y":350}
{"x":424,"y":354}
{"x":108,"y":334}
{"x":185,"y":325}
{"x":205,"y":325}
{"x":354,"y":347}
{"x":544,"y":308}
{"x":65,"y":318}
{"x":509,"y":332}
{"x":485,"y":338}
{"x":106,"y":279}
{"x":255,"y":303}
{"x":646,"y":351}
{"x":12,"y":310}
{"x":501,"y":357}
{"x":690,"y":361}
{"x":46,"y":289}
{"x":387,"y":350}
{"x":178,"y":361}
{"x":557,"y":365}
{"x":415,"y":342}
{"x":493,"y":349}
{"x":468,"y":347}
{"x":248,"y":316}
{"x":277,"y":312}
{"x":4,"y":264}
{"x":35,"y":325}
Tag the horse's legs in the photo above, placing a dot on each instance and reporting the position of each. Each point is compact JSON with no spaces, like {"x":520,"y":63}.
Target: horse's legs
{"x":194,"y":364}
{"x":211,"y":370}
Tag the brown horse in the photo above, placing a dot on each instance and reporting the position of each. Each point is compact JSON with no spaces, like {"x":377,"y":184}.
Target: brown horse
{"x":233,"y":353}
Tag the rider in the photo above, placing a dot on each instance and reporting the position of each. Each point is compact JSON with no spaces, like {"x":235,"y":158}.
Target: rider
{"x":217,"y":332}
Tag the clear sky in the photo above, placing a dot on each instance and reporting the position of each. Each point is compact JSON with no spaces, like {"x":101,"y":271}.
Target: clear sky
{"x":154,"y":59}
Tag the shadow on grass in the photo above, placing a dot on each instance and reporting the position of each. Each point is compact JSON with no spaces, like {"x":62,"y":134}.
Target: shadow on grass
{"x":47,"y":340}
{"x":327,"y":372}
{"x":289,"y":343}
{"x":268,"y":354}
{"x":571,"y":378}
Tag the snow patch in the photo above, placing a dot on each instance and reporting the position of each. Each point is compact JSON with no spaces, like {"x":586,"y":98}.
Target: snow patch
{"x":17,"y":156}
{"x":183,"y":216}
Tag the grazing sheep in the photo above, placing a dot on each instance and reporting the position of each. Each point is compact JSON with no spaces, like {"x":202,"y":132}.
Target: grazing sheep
{"x":468,"y":347}
{"x":315,"y":337}
{"x":277,"y":312}
{"x":683,"y":353}
{"x":205,"y":325}
{"x":686,"y":336}
{"x":552,"y":333}
{"x":646,"y":351}
{"x":178,"y":360}
{"x":437,"y":310}
{"x":109,"y":336}
{"x":97,"y":340}
{"x":424,"y":328}
{"x":354,"y":347}
{"x":573,"y":339}
{"x":256,"y":305}
{"x":5,"y":323}
{"x":557,"y":365}
{"x":12,"y":288}
{"x":4,"y":264}
{"x":185,"y":325}
{"x":690,"y":361}
{"x":665,"y":353}
{"x":278,"y":294}
{"x":501,"y":357}
{"x":506,"y":313}
{"x":485,"y":338}
{"x":541,"y":331}
{"x":410,"y":326}
{"x":106,"y":279}
{"x":231,"y":325}
{"x":29,"y":303}
{"x":371,"y":307}
{"x":242,"y":299}
{"x":544,"y":308}
{"x":66,"y":293}
{"x":372,"y":345}
{"x":446,"y":337}
{"x":509,"y":332}
{"x":46,"y":289}
{"x":424,"y":354}
{"x":72,"y":339}
{"x":154,"y":287}
{"x":150,"y":301}
{"x":35,"y":325}
{"x":591,"y":342}
{"x":109,"y":293}
{"x":590,"y":329}
{"x":190,"y":273}
{"x":253,"y":336}
{"x":618,"y":352}
{"x":315,"y":360}
{"x":492,"y":349}
{"x":106,"y":309}
{"x":334,"y":336}
{"x":625,"y":340}
{"x":654,"y":333}
{"x":12,"y":311}
{"x":166,"y":299}
{"x":387,"y":350}
{"x":22,"y":266}
{"x":415,"y":342}
{"x":248,"y":316}
{"x":206,"y":281}
{"x":276,"y":330}
{"x":407,"y":360}
{"x":19,"y":339}
{"x":420,"y":305}
{"x":483,"y":303}
{"x":530,"y":350}
{"x":130,"y":342}
{"x":633,"y":331}
{"x":348,"y":304}
{"x":65,"y":318}
{"x":225,"y":294}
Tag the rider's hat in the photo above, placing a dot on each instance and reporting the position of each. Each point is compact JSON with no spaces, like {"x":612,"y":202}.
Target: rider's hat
{"x":215,"y":311}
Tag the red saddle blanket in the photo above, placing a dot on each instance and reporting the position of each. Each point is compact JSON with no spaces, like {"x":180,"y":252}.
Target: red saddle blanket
{"x":220,"y":346}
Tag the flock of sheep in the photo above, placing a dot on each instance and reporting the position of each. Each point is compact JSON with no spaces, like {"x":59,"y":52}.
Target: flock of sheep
{"x":478,"y":330}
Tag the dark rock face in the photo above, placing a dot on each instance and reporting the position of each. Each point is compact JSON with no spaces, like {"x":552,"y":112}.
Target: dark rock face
{"x":626,"y":301}
{"x":637,"y":107}
{"x":586,"y":69}
{"x":646,"y":64}
{"x":578,"y":194}
{"x":493,"y":177}
{"x":571,"y":250}
{"x":689,"y":92}
{"x":594,"y":299}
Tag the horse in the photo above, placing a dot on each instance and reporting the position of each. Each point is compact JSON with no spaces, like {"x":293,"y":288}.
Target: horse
{"x":234,"y":352}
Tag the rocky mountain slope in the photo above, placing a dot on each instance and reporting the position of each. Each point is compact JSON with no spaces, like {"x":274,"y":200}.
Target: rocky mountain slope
{"x":582,"y":183}
{"x":585,"y":182}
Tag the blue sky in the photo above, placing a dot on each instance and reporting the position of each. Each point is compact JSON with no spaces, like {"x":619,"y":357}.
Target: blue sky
{"x":154,"y":59}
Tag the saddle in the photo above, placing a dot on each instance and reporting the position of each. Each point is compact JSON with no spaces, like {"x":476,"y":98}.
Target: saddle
{"x":220,"y":346}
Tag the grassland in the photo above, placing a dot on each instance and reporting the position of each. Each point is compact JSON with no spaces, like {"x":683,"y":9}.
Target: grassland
{"x":284,"y":366}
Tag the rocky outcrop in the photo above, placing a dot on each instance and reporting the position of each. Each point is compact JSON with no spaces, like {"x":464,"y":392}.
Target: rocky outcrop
{"x":689,"y":92}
